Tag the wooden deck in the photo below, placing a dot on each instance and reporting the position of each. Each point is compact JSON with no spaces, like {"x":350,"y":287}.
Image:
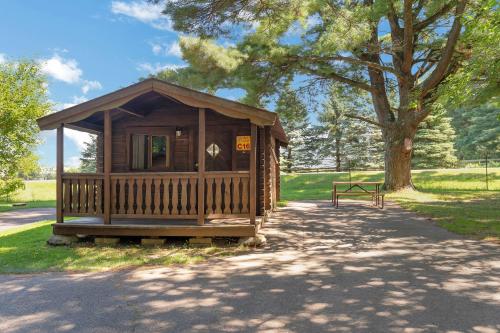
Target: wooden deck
{"x":156,"y":228}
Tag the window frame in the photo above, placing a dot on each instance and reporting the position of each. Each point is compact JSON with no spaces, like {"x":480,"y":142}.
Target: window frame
{"x":167,"y":132}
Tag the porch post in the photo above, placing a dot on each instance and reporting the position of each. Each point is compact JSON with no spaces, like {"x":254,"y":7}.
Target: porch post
{"x":253,"y":173}
{"x":59,"y":172}
{"x":201,"y":166}
{"x":107,"y":167}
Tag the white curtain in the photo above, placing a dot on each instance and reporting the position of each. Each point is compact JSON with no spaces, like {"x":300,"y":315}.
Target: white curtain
{"x":138,"y":145}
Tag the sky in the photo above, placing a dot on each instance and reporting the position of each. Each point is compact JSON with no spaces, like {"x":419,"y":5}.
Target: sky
{"x":87,"y":48}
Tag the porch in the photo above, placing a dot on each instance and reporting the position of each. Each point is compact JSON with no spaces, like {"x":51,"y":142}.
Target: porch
{"x":159,"y":204}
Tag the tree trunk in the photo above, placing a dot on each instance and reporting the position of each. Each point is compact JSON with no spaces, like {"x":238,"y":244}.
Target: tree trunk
{"x":398,"y":149}
{"x":289,"y":160}
{"x":337,"y":155}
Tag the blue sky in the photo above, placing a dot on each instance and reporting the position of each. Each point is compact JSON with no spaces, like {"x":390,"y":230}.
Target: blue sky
{"x":87,"y":48}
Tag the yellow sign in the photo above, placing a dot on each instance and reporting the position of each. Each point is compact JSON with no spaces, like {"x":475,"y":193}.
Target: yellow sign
{"x":243,"y":143}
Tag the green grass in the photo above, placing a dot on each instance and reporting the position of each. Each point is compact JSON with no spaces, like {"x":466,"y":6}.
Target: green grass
{"x":24,"y":250}
{"x":36,"y":194}
{"x":456,"y":199}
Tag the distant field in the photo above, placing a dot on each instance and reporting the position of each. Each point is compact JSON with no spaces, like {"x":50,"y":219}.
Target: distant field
{"x":456,"y":198}
{"x":40,"y":193}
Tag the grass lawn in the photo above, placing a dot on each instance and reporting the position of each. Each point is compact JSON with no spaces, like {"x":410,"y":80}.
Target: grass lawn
{"x":456,"y":199}
{"x":24,"y":250}
{"x":36,"y":194}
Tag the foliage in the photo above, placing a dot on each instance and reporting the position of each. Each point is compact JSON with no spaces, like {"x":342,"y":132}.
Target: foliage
{"x":477,"y":81}
{"x":88,"y":159}
{"x":434,"y":142}
{"x":294,"y":119}
{"x":29,"y":167}
{"x":24,"y":250}
{"x":478,"y":131}
{"x":263,"y":44}
{"x":351,"y":142}
{"x":22,"y":100}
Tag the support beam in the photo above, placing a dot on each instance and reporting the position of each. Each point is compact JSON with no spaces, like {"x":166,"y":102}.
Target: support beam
{"x":131,"y":112}
{"x":201,"y":166}
{"x":59,"y":172}
{"x":253,"y":173}
{"x":107,"y":166}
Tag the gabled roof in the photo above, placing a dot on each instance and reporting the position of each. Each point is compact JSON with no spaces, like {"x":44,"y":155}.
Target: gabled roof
{"x":184,"y":95}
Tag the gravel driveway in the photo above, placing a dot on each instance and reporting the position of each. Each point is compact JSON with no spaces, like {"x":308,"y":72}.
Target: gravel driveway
{"x":23,"y":216}
{"x":356,"y":269}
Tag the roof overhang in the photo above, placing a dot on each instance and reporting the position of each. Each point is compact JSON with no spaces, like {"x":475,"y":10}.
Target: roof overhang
{"x":183,"y":95}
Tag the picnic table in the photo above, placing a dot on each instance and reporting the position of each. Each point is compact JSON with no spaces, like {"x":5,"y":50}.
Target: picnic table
{"x":362,"y":188}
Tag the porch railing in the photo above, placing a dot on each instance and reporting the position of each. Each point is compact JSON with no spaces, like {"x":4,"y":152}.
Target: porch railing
{"x":83,"y":194}
{"x":164,"y":195}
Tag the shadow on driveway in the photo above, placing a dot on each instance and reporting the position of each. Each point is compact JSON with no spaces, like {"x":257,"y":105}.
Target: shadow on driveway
{"x":355,"y":269}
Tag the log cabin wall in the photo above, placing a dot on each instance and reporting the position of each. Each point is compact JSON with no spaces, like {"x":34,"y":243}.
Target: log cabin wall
{"x":220,"y":130}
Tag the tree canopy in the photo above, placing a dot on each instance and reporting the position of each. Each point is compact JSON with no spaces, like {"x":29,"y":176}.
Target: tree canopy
{"x":401,"y":52}
{"x":23,"y":99}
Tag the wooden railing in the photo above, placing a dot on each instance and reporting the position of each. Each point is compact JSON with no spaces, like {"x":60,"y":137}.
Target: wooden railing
{"x":165,"y":195}
{"x":161,"y":195}
{"x":82,"y":194}
{"x":227,"y":194}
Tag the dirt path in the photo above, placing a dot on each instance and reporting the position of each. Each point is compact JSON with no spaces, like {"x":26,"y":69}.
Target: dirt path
{"x":357,"y":269}
{"x":15,"y":218}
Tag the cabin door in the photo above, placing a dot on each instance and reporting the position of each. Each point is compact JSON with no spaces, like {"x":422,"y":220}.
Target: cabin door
{"x":218,"y":149}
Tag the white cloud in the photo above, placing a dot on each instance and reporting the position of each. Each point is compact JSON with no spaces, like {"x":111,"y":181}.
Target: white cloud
{"x":157,"y":67}
{"x":58,"y":106}
{"x":175,"y":50}
{"x":72,"y":162}
{"x":146,"y":12}
{"x":3,"y":58}
{"x":79,"y":138}
{"x":156,"y":48}
{"x":90,"y":85}
{"x":61,"y":69}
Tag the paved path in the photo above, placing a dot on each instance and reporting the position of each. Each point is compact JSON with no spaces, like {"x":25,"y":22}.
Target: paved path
{"x":357,"y":269}
{"x":23,"y":216}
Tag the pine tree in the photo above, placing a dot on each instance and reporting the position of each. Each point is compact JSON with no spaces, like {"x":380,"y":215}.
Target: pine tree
{"x":433,"y":146}
{"x":478,"y":131}
{"x":349,"y":140}
{"x":88,"y":160}
{"x":294,"y":119}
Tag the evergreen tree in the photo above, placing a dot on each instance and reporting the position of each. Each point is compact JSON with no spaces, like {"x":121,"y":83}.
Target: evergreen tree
{"x":88,"y":160}
{"x":434,"y":141}
{"x":347,"y":138}
{"x":294,"y":119}
{"x":478,"y":131}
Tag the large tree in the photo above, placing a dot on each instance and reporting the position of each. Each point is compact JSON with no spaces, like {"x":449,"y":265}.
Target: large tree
{"x":23,"y":99}
{"x":88,"y":160}
{"x":398,"y":51}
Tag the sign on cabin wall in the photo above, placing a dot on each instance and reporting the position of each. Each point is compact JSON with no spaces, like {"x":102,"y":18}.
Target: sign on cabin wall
{"x":243,"y":143}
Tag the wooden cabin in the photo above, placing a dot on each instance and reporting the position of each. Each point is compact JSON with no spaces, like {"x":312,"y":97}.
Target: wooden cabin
{"x":171,"y":161}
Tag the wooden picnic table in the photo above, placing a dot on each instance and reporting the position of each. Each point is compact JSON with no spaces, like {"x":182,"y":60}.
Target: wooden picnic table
{"x":363,"y":189}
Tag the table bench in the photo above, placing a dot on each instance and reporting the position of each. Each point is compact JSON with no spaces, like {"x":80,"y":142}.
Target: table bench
{"x":377,"y":197}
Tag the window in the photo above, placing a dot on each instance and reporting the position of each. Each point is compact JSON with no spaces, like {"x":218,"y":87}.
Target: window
{"x":150,"y":152}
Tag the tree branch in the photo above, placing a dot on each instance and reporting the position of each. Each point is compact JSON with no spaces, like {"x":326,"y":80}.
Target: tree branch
{"x":434,"y":17}
{"x":407,"y":37}
{"x":337,"y":77}
{"x":437,"y":75}
{"x":367,"y":120}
